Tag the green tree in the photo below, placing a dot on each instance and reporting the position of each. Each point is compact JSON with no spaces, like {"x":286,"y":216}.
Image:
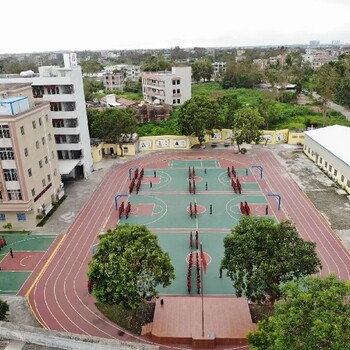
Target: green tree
{"x":229,"y":104}
{"x":314,"y":315}
{"x":114,"y":125}
{"x":91,"y":87}
{"x":4,"y":309}
{"x":155,"y":64}
{"x":261,"y":254}
{"x":199,"y":116}
{"x":91,"y":66}
{"x":326,"y":84}
{"x":246,"y":126}
{"x":241,"y":75}
{"x":128,"y":266}
{"x":202,"y":70}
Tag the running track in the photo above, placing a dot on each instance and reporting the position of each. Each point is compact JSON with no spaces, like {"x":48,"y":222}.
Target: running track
{"x":60,"y":299}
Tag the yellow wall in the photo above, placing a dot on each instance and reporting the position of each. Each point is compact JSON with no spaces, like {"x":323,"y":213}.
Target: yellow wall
{"x":296,"y":138}
{"x":96,"y":152}
{"x":152,"y":143}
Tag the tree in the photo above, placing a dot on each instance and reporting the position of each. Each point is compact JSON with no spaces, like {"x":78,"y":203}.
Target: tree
{"x":246,"y":126}
{"x":128,"y":266}
{"x":314,"y":315}
{"x":4,"y":309}
{"x":202,"y":70}
{"x":91,"y":66}
{"x":155,"y":64}
{"x":91,"y":87}
{"x":326,"y":84}
{"x":114,"y":125}
{"x":261,"y":254}
{"x":198,"y":116}
{"x":229,"y":104}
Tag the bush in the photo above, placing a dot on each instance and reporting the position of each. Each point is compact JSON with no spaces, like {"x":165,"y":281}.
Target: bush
{"x":4,"y":309}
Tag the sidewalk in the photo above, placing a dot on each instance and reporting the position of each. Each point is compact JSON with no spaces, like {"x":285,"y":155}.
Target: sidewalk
{"x":78,"y":193}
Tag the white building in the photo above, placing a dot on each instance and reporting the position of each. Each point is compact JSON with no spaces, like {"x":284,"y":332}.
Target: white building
{"x":130,"y":72}
{"x":219,"y":68}
{"x":63,"y":88}
{"x":329,"y":148}
{"x":173,"y":88}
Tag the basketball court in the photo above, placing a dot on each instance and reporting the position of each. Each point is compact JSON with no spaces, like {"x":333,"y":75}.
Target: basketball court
{"x":28,"y":252}
{"x":163,"y":204}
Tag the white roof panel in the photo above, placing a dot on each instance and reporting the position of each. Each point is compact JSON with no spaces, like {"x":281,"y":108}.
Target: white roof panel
{"x":67,"y":165}
{"x":335,"y":138}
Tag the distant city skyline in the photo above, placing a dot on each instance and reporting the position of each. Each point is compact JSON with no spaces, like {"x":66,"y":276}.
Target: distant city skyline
{"x":44,"y":26}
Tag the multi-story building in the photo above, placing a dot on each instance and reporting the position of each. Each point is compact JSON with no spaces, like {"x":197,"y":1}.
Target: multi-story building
{"x":63,"y":89}
{"x":129,"y":72}
{"x":317,"y":58}
{"x":219,"y":68}
{"x":172,"y":88}
{"x":113,"y":81}
{"x":29,"y":171}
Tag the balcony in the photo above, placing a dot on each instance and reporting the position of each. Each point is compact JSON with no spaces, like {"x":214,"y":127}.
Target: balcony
{"x":59,"y":98}
{"x":64,"y":114}
{"x":67,"y":131}
{"x":69,"y":146}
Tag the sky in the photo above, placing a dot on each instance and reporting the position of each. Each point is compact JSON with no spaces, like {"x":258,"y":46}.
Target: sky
{"x":72,"y":25}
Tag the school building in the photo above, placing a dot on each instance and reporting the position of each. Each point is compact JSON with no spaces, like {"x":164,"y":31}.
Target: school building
{"x":30,"y":180}
{"x":329,"y":148}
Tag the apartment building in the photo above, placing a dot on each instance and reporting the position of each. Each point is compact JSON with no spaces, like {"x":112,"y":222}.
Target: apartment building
{"x":63,"y":89}
{"x":172,"y":88}
{"x":129,"y":71}
{"x":29,"y":171}
{"x":113,"y":81}
{"x":219,"y":68}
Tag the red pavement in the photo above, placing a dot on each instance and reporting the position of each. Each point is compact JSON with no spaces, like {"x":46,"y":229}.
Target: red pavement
{"x":60,"y":298}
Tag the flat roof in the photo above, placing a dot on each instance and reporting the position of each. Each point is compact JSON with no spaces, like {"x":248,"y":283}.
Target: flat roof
{"x":13,"y":86}
{"x":67,"y":165}
{"x":335,"y":138}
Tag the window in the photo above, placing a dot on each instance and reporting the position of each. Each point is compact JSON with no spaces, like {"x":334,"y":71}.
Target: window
{"x":26,"y":152}
{"x":312,"y":153}
{"x":348,"y":183}
{"x":4,"y":132}
{"x":22,"y":130}
{"x":49,"y":178}
{"x":46,"y":118}
{"x":342,"y":178}
{"x":37,"y":144}
{"x":46,"y":160}
{"x":10,"y":175}
{"x":49,"y":136}
{"x":43,"y":141}
{"x":34,"y":124}
{"x":40,"y":163}
{"x":126,"y":149}
{"x":308,"y":150}
{"x":326,"y":164}
{"x":2,"y":217}
{"x":174,"y":82}
{"x":174,"y":91}
{"x":21,"y":217}
{"x":53,"y":154}
{"x":177,"y":82}
{"x":321,"y":160}
{"x":30,"y":172}
{"x":335,"y":172}
{"x":330,"y":168}
{"x":178,"y":91}
{"x":174,"y":101}
{"x":33,"y":192}
{"x":178,"y":100}
{"x":43,"y":181}
{"x":40,"y":121}
{"x":14,"y":195}
{"x":6,"y":153}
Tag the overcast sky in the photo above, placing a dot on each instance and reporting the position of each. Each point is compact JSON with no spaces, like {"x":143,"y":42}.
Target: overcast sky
{"x":45,"y":25}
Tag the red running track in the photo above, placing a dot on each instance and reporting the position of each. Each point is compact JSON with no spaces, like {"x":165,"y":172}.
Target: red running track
{"x":60,"y":298}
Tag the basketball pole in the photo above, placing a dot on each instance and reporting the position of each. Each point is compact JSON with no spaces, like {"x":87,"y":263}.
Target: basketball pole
{"x":202,"y":287}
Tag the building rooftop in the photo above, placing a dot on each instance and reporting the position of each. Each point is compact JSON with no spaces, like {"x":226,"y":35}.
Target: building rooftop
{"x":335,"y":138}
{"x":13,"y":86}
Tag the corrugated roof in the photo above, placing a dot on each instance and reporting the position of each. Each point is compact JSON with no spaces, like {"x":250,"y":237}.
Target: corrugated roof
{"x":335,"y":138}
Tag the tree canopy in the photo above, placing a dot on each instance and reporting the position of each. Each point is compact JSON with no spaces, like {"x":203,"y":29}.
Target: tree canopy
{"x":246,"y":126}
{"x":4,"y":309}
{"x":326,"y":84}
{"x":314,"y":315}
{"x":261,"y":254}
{"x":113,"y":125}
{"x":128,"y":266}
{"x":202,"y":70}
{"x":198,"y":116}
{"x":156,"y":63}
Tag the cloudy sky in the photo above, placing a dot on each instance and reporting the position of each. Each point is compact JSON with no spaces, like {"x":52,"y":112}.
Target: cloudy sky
{"x":46,"y":25}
